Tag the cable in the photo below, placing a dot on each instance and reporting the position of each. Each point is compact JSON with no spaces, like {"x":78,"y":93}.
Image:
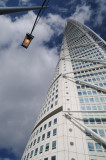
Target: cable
{"x":38,"y":15}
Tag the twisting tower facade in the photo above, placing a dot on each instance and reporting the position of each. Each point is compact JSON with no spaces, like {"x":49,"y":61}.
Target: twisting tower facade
{"x":72,"y":121}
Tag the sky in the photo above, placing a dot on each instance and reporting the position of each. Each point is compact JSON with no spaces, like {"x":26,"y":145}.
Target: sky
{"x":25,"y":75}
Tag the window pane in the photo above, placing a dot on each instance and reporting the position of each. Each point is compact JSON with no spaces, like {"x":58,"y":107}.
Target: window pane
{"x":55,"y":121}
{"x":101,"y":132}
{"x":49,"y":125}
{"x":104,"y":107}
{"x":53,"y":144}
{"x":98,"y":121}
{"x":88,"y":107}
{"x":91,"y":146}
{"x":104,"y":120}
{"x":36,"y":151}
{"x":98,"y":147}
{"x":94,"y":108}
{"x":53,"y":158}
{"x":45,"y":158}
{"x":45,"y":126}
{"x":54,"y":132}
{"x":47,"y":147}
{"x":99,"y":107}
{"x":41,"y":149}
{"x":43,"y":137}
{"x":85,"y":120}
{"x":92,"y":120}
{"x":31,"y":154}
{"x":48,"y":134}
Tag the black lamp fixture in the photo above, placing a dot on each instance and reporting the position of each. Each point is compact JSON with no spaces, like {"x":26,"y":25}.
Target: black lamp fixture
{"x":29,"y":36}
{"x":27,"y":40}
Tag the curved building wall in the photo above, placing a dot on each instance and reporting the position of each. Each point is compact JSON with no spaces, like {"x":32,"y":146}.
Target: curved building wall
{"x":77,"y":90}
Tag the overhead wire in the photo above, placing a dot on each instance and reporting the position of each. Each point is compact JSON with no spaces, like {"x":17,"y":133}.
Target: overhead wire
{"x":40,"y":13}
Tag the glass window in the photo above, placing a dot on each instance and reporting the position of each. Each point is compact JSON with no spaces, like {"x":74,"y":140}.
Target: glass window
{"x":95,"y":130}
{"x":94,"y":79}
{"x":36,"y":151}
{"x":53,"y":158}
{"x":81,"y":100}
{"x":45,"y":158}
{"x":84,"y":93}
{"x":78,"y":87}
{"x":104,"y":120}
{"x":54,"y":132}
{"x":31,"y":154}
{"x":31,"y":145}
{"x":56,"y":90}
{"x":91,"y":146}
{"x":85,"y":120}
{"x":101,"y":132}
{"x":48,"y":134}
{"x":100,"y":84}
{"x":98,"y":147}
{"x":27,"y":155}
{"x":54,"y":145}
{"x":98,"y":79}
{"x":104,"y":107}
{"x":87,"y":133}
{"x":79,"y":93}
{"x":98,"y":121}
{"x":102,"y":99}
{"x":104,"y":146}
{"x":51,"y":105}
{"x":89,"y":93}
{"x":88,"y":107}
{"x":96,"y":99}
{"x":82,"y":107}
{"x":91,"y":100}
{"x":38,"y":140}
{"x":43,"y":137}
{"x":56,"y":102}
{"x":49,"y":125}
{"x":45,"y":126}
{"x":92,"y":120}
{"x":34,"y":142}
{"x":55,"y":121}
{"x":56,"y":96}
{"x":102,"y":78}
{"x":47,"y":147}
{"x":41,"y":129}
{"x":99,"y":107}
{"x":94,"y":108}
{"x":37,"y":132}
{"x":94,"y":92}
{"x":41,"y":149}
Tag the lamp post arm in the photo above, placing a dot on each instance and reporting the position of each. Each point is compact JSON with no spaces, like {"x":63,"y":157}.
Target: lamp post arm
{"x":102,"y":140}
{"x":7,"y":10}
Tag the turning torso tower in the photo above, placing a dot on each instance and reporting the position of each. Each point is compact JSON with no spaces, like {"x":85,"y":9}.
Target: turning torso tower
{"x":72,"y":121}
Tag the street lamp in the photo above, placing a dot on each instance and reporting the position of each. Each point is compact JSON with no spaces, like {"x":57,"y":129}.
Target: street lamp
{"x":27,"y":40}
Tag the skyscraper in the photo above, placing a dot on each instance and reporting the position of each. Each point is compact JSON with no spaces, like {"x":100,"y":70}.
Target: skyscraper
{"x":72,"y":121}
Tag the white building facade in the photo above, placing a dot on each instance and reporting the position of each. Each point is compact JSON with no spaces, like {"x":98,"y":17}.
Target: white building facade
{"x":72,"y":121}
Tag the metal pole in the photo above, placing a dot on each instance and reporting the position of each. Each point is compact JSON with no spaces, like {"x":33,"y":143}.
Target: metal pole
{"x":7,"y":10}
{"x":102,"y":140}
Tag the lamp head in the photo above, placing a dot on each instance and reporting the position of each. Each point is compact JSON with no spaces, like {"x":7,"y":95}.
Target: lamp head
{"x":27,"y":40}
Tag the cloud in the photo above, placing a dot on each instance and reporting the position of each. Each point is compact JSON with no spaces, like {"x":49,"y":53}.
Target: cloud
{"x":101,"y":11}
{"x":60,"y":9}
{"x":25,"y":76}
{"x":82,"y":13}
{"x":25,"y":2}
{"x":3,"y":2}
